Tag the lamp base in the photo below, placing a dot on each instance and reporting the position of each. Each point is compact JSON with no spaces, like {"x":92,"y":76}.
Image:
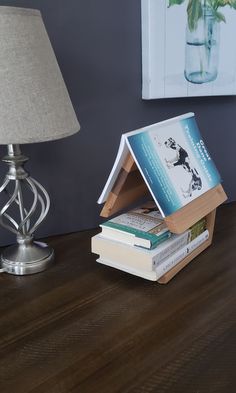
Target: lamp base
{"x":21,"y":259}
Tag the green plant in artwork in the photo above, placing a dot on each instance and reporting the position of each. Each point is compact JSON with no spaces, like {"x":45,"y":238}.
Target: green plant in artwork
{"x":195,"y":9}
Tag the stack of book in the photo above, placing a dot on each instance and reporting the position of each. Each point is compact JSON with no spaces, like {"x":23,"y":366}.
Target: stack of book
{"x":139,"y":242}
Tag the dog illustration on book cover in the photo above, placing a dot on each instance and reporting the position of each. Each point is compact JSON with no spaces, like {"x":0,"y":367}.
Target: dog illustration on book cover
{"x":182,"y":159}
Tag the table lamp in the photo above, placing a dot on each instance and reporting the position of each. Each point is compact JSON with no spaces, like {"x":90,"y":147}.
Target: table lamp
{"x":34,"y":107}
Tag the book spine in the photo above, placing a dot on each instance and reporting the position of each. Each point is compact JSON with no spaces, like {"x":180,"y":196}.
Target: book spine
{"x":179,"y":241}
{"x":175,"y":258}
{"x":170,"y":247}
{"x":198,"y":228}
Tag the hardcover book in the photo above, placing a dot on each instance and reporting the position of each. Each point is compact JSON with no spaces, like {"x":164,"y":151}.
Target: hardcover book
{"x":173,"y":161}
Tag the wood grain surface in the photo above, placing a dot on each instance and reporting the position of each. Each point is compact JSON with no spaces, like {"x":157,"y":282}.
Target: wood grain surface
{"x":83,"y":327}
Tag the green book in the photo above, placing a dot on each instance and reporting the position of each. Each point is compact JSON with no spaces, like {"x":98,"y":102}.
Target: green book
{"x":143,"y":227}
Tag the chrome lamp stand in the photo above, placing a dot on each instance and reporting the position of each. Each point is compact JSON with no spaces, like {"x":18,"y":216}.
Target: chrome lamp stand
{"x":27,"y":256}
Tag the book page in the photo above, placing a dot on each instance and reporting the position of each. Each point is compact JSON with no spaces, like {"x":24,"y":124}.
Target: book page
{"x":119,"y":161}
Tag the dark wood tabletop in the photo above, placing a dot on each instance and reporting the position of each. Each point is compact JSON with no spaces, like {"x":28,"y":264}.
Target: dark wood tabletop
{"x":83,"y":327}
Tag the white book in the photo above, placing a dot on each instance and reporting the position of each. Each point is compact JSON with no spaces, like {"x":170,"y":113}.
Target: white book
{"x":172,"y":159}
{"x":163,"y":267}
{"x":137,"y":257}
{"x":174,"y":259}
{"x":131,"y":270}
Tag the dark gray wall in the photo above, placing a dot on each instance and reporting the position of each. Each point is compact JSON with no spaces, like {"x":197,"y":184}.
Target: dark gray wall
{"x":98,"y":46}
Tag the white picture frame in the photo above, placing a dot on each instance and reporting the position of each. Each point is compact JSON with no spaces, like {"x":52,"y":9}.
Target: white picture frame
{"x":164,"y":51}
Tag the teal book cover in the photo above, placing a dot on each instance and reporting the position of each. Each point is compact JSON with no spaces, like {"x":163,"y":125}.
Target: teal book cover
{"x":144,"y":222}
{"x":174,"y":161}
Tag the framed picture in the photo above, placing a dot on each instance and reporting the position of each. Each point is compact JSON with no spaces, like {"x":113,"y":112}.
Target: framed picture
{"x":188,"y":48}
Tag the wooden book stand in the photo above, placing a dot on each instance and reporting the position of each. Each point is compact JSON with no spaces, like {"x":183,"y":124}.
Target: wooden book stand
{"x":130,"y":186}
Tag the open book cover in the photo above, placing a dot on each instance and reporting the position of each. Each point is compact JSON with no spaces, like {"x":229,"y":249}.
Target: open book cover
{"x":173,"y":160}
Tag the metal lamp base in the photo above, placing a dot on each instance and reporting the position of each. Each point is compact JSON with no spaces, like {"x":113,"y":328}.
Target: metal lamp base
{"x":27,"y":256}
{"x":21,"y":259}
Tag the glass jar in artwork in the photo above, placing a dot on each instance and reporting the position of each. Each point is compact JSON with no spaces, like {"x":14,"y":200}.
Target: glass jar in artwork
{"x":202,"y":49}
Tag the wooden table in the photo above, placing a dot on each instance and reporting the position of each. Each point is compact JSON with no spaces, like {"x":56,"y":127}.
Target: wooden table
{"x":83,"y":327}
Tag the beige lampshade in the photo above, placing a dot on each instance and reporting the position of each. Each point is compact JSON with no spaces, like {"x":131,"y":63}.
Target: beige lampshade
{"x":34,"y":102}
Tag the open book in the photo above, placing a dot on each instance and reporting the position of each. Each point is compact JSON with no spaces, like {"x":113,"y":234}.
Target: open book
{"x":172,"y":159}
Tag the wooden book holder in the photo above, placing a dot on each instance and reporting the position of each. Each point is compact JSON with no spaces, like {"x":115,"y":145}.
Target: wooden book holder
{"x":130,"y":187}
